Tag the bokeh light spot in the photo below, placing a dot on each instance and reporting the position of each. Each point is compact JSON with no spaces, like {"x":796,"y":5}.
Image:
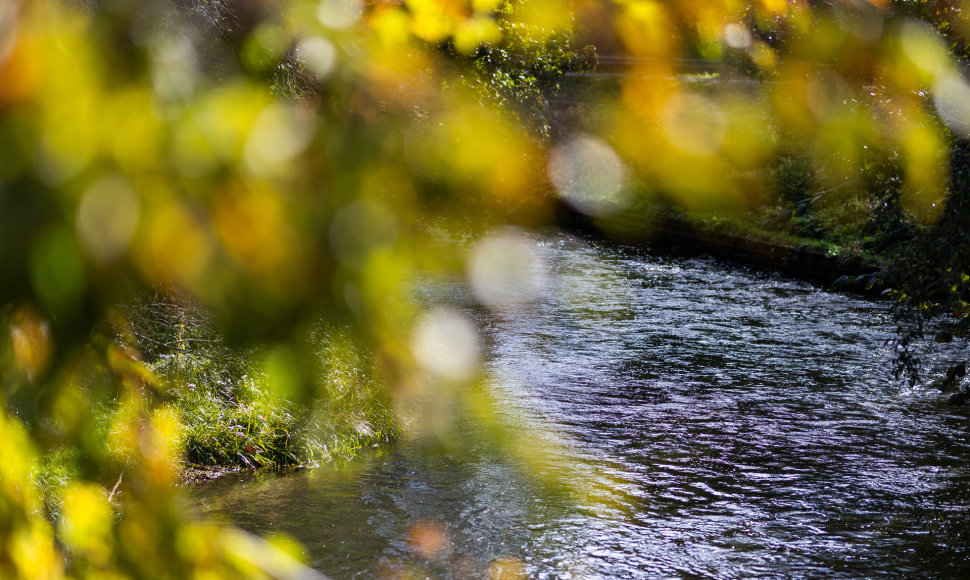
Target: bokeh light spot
{"x":505,"y":270}
{"x":428,"y":539}
{"x":87,"y":520}
{"x":588,"y":174}
{"x":506,"y":569}
{"x":175,"y":68}
{"x":317,"y":55}
{"x":951,"y":95}
{"x":694,"y":124}
{"x":280,"y":133}
{"x":107,"y":218}
{"x":31,"y":342}
{"x":445,"y":343}
{"x":737,"y":36}
{"x":338,"y":14}
{"x":925,"y":48}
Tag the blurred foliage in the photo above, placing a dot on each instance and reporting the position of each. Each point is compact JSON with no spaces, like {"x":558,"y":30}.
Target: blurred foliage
{"x":524,"y":66}
{"x":281,"y":163}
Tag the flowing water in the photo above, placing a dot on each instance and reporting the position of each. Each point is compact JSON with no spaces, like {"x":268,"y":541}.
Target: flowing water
{"x":708,"y":421}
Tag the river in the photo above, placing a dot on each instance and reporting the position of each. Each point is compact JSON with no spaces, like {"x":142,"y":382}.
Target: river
{"x":692,"y":420}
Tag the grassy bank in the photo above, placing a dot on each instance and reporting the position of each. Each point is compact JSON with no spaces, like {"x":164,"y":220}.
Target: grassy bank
{"x":749,"y":238}
{"x":261,"y":407}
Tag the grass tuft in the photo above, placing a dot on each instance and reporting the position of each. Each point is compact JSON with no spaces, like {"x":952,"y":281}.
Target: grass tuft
{"x":239,"y":407}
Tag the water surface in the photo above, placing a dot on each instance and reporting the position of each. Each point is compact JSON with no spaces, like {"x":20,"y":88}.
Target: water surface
{"x":716,"y":423}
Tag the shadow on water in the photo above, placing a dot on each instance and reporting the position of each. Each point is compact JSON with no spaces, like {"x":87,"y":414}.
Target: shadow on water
{"x":725,"y":424}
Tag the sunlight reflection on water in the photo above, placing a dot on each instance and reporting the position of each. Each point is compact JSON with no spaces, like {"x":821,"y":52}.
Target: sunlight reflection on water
{"x":728,"y":424}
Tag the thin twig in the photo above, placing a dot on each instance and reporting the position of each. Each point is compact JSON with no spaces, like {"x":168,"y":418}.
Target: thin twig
{"x":115,"y":488}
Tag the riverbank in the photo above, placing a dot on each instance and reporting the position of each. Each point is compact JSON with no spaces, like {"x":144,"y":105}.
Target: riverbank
{"x":259,"y":407}
{"x":825,"y":264}
{"x":704,"y":437}
{"x":252,"y":429}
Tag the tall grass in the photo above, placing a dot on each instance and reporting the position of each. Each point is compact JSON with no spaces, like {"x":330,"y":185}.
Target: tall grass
{"x":238,"y":406}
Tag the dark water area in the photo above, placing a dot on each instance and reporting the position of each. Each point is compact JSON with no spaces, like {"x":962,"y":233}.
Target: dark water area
{"x":718,"y":423}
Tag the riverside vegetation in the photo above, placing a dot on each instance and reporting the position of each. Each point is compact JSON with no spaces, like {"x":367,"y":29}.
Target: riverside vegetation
{"x":232,"y":411}
{"x":212,"y":213}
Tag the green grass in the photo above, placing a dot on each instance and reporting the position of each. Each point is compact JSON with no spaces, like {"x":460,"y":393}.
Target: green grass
{"x":272,"y":408}
{"x":57,"y":469}
{"x":353,"y":410}
{"x":251,"y":428}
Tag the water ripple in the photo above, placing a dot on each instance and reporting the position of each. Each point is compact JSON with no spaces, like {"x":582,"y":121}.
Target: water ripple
{"x":725,"y":423}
